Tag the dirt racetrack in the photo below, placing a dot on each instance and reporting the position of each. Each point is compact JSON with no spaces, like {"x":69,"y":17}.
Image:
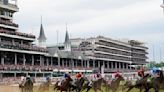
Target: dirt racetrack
{"x":9,"y":88}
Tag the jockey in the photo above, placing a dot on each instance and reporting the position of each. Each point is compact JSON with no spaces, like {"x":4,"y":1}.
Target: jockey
{"x":155,"y":72}
{"x":96,"y":76}
{"x":115,"y":75}
{"x":28,"y":77}
{"x":22,"y":78}
{"x":48,"y":78}
{"x":78,"y":75}
{"x":66,"y":75}
{"x":141,"y":73}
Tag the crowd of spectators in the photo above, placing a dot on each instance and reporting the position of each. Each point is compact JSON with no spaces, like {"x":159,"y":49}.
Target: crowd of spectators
{"x":9,"y":80}
{"x":37,"y":68}
{"x":7,"y":22}
{"x":17,"y":33}
{"x":26,"y":68}
{"x":10,"y":45}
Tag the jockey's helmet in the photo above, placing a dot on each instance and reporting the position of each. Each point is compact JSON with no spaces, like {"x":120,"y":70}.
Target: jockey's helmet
{"x":48,"y":77}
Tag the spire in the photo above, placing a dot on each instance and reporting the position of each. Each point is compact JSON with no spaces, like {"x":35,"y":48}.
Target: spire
{"x":67,"y":43}
{"x":67,"y":36}
{"x":42,"y":36}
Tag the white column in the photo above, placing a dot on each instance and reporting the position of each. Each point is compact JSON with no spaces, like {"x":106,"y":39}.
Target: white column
{"x":82,"y":63}
{"x":119,"y":65}
{"x":63,"y":62}
{"x":66,"y":63}
{"x":32,"y":60}
{"x":59,"y":62}
{"x":15,"y":75}
{"x":52,"y":61}
{"x":93,"y":63}
{"x":73,"y":63}
{"x":22,"y":42}
{"x":85,"y":63}
{"x":88,"y":64}
{"x":115,"y":65}
{"x":13,"y":42}
{"x":47,"y":61}
{"x":2,"y":60}
{"x":98,"y":64}
{"x":103,"y":63}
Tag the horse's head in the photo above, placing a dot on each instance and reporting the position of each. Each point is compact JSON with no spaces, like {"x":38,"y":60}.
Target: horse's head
{"x":82,"y":79}
{"x":69,"y":79}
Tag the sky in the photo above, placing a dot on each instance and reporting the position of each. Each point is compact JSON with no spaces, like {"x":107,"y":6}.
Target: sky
{"x":141,"y":20}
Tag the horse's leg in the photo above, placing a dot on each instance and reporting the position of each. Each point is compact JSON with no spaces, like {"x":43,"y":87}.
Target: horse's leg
{"x":130,"y":88}
{"x":146,"y":90}
{"x":88,"y":89}
{"x":156,"y":88}
{"x":101,"y":90}
{"x":140,"y":89}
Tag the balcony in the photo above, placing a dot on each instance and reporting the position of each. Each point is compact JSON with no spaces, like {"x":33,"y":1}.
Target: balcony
{"x":8,"y":24}
{"x":15,"y":34}
{"x":9,"y":6}
{"x":9,"y":45}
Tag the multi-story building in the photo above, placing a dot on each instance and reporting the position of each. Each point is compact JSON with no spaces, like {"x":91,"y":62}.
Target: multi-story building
{"x":113,"y":54}
{"x":19,"y":56}
{"x":17,"y":53}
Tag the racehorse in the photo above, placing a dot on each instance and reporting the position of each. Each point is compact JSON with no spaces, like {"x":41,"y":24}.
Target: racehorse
{"x":141,"y":84}
{"x":96,"y":85}
{"x":156,"y":83}
{"x":65,"y":85}
{"x":45,"y":86}
{"x":78,"y":84}
{"x":26,"y":85}
{"x":115,"y":83}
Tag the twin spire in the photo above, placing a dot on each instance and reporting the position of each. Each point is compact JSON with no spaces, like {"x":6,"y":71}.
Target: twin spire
{"x":42,"y":39}
{"x":67,"y":40}
{"x":67,"y":43}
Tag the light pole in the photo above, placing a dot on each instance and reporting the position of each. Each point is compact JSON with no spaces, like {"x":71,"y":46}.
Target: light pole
{"x":162,"y":6}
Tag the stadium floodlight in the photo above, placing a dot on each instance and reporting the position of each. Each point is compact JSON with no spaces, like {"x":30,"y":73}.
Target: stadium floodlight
{"x":162,"y":6}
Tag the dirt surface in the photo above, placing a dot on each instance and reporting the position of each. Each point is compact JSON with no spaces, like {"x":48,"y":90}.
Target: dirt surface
{"x":10,"y":88}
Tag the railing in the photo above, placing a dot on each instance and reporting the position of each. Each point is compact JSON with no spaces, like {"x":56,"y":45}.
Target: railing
{"x":9,"y":45}
{"x":17,"y":33}
{"x":9,"y":23}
